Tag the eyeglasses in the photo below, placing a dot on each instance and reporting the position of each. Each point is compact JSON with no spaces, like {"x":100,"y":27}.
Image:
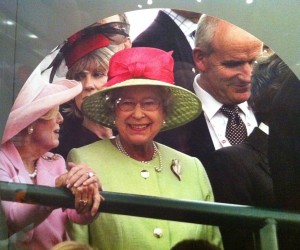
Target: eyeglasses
{"x":148,"y":104}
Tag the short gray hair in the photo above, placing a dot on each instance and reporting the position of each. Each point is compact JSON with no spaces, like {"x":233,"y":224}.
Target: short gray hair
{"x":205,"y":33}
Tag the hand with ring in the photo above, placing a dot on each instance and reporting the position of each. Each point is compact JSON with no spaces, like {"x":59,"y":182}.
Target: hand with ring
{"x":87,"y":199}
{"x":82,"y":203}
{"x":80,"y":175}
{"x":85,"y":185}
{"x":90,"y":174}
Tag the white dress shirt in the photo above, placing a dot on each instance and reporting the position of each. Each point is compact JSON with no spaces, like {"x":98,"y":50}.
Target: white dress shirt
{"x":217,"y":121}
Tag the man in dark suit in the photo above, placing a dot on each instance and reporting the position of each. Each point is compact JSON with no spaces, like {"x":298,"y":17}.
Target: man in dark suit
{"x":173,"y":30}
{"x":224,"y":55}
{"x":241,"y":174}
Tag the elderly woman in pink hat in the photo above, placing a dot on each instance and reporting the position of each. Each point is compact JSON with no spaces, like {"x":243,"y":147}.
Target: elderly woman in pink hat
{"x":32,"y":130}
{"x":140,"y":100}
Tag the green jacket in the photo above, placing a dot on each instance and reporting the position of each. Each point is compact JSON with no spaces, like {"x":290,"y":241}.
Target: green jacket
{"x":119,"y":173}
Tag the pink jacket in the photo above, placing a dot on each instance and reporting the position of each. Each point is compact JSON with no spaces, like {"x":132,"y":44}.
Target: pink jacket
{"x":34,"y":226}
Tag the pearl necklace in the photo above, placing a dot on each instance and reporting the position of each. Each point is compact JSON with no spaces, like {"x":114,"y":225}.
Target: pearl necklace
{"x":156,"y":152}
{"x":34,"y":174}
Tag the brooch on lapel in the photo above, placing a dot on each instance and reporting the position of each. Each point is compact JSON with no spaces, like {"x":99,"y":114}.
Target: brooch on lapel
{"x":176,"y":168}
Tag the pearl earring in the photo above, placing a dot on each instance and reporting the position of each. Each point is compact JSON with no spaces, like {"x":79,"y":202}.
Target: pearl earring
{"x":164,"y":123}
{"x":30,"y":130}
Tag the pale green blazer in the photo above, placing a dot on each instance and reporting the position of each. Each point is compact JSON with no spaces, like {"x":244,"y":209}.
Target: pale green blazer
{"x":119,"y":173}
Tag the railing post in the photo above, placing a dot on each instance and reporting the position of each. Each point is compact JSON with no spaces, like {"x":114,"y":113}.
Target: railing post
{"x":268,"y":235}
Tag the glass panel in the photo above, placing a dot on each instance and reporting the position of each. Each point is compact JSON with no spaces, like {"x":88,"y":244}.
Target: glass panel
{"x":31,"y":29}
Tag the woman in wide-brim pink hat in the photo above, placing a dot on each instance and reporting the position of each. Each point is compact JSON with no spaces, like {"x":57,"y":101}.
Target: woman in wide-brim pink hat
{"x":32,"y":130}
{"x":140,"y":100}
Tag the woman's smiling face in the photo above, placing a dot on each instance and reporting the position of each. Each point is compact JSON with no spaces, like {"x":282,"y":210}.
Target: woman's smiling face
{"x":139,"y":124}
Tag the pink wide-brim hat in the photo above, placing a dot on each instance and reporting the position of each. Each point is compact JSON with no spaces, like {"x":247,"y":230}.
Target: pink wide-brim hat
{"x":35,"y":99}
{"x":143,"y":66}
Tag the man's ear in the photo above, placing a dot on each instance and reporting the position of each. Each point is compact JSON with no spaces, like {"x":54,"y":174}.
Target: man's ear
{"x":128,"y":43}
{"x":199,"y":59}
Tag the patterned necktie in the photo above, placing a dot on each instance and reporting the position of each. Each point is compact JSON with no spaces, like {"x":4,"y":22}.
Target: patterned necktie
{"x":193,"y":34}
{"x":236,"y":131}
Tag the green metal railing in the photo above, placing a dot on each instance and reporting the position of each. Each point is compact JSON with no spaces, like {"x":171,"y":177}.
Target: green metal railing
{"x":265,"y":221}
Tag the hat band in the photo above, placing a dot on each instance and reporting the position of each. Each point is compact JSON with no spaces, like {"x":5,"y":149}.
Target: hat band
{"x":83,"y":47}
{"x":137,"y":70}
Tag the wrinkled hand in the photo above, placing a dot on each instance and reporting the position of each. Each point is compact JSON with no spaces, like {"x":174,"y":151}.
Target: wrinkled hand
{"x":81,"y":175}
{"x":87,"y":198}
{"x":85,"y":185}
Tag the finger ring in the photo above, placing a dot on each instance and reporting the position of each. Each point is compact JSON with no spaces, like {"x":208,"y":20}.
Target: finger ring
{"x":82,"y":202}
{"x":90,"y":174}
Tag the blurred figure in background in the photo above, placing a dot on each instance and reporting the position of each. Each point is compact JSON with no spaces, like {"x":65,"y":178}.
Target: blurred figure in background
{"x":174,"y":30}
{"x":284,"y":148}
{"x":285,"y":144}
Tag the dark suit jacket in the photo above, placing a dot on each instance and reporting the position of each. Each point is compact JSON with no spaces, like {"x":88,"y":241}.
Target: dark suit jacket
{"x":240,"y":174}
{"x":73,"y":135}
{"x":199,"y":140}
{"x":284,"y":154}
{"x":164,"y":34}
{"x":285,"y":144}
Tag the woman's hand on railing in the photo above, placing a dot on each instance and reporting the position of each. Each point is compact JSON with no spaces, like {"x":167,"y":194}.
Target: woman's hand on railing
{"x":85,"y":186}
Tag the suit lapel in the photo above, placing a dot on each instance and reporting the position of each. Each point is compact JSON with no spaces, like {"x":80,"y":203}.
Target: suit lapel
{"x":259,"y":141}
{"x":201,"y":143}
